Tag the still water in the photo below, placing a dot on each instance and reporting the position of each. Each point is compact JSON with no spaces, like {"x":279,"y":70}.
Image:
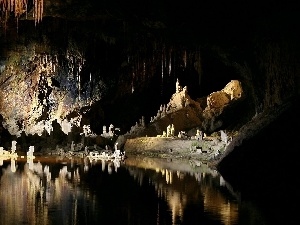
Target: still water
{"x":51,"y":190}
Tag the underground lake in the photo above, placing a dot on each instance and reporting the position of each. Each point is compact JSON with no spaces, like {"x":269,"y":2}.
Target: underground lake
{"x":137,"y":190}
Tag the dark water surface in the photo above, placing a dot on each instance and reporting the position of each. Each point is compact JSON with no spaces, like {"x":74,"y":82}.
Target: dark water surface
{"x":135,"y":191}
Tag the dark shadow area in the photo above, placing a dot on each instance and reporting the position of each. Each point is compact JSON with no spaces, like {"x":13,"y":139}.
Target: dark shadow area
{"x":264,"y":169}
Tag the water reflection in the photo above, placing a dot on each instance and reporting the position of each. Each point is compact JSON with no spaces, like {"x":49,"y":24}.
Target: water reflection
{"x":184,"y":185}
{"x":135,"y":191}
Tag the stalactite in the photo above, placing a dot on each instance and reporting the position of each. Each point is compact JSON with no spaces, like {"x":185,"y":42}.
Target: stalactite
{"x":184,"y":58}
{"x":132,"y":83}
{"x":144,"y":71}
{"x":162,"y":66}
{"x":170,"y":61}
{"x":198,"y":65}
{"x":162,"y":75}
{"x":35,"y":11}
{"x":18,"y":7}
{"x":25,"y":1}
{"x":165,"y":58}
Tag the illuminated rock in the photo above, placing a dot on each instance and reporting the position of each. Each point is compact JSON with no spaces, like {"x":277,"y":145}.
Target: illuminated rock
{"x":44,"y":89}
{"x":219,"y":99}
{"x":233,"y":89}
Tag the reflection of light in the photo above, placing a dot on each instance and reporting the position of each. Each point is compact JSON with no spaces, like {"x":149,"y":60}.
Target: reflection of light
{"x":64,"y":173}
{"x":109,"y":168}
{"x":116,"y":164}
{"x":222,"y":181}
{"x":76,"y":176}
{"x":215,"y":203}
{"x":30,"y":163}
{"x":13,"y":165}
{"x":38,"y":168}
{"x":20,"y":189}
{"x":86,"y":164}
{"x":169,"y":176}
{"x":110,"y":163}
{"x":47,"y":173}
{"x":30,"y":196}
{"x":170,"y":184}
{"x":176,"y":199}
{"x":103,"y":164}
{"x":198,"y":176}
{"x":176,"y":202}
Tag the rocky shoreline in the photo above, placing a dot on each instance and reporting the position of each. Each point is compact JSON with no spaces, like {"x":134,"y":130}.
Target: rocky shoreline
{"x":210,"y":150}
{"x":206,"y":150}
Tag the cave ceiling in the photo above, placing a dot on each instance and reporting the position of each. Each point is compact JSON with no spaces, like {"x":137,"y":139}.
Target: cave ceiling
{"x":114,"y":61}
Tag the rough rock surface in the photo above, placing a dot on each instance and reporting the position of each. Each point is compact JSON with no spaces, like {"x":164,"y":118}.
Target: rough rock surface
{"x":219,"y":99}
{"x":204,"y":150}
{"x":185,"y":114}
{"x":213,"y":149}
{"x":267,"y":67}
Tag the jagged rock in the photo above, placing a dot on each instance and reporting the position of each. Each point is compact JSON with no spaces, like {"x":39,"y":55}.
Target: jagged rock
{"x":180,"y":100}
{"x":233,"y":89}
{"x":217,"y":100}
{"x":219,"y":105}
{"x":185,"y":113}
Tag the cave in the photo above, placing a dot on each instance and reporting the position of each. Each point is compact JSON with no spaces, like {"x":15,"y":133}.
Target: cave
{"x":114,"y":62}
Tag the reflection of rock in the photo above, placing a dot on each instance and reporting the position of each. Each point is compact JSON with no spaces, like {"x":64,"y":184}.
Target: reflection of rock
{"x":225,"y":209}
{"x":172,"y":180}
{"x":182,"y":165}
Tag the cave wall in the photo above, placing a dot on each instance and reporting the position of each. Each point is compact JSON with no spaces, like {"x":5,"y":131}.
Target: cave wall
{"x":108,"y":65}
{"x":66,"y":66}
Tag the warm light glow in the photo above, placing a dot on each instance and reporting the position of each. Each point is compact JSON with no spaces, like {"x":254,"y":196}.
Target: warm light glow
{"x":227,"y":211}
{"x":18,"y":7}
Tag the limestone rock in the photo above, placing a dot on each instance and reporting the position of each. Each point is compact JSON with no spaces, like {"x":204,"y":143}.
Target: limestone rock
{"x":185,"y":113}
{"x":234,"y":89}
{"x":220,"y":105}
{"x":217,"y":99}
{"x":180,"y":100}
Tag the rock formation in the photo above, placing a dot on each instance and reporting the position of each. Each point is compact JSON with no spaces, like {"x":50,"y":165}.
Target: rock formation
{"x":186,"y":114}
{"x":89,"y":65}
